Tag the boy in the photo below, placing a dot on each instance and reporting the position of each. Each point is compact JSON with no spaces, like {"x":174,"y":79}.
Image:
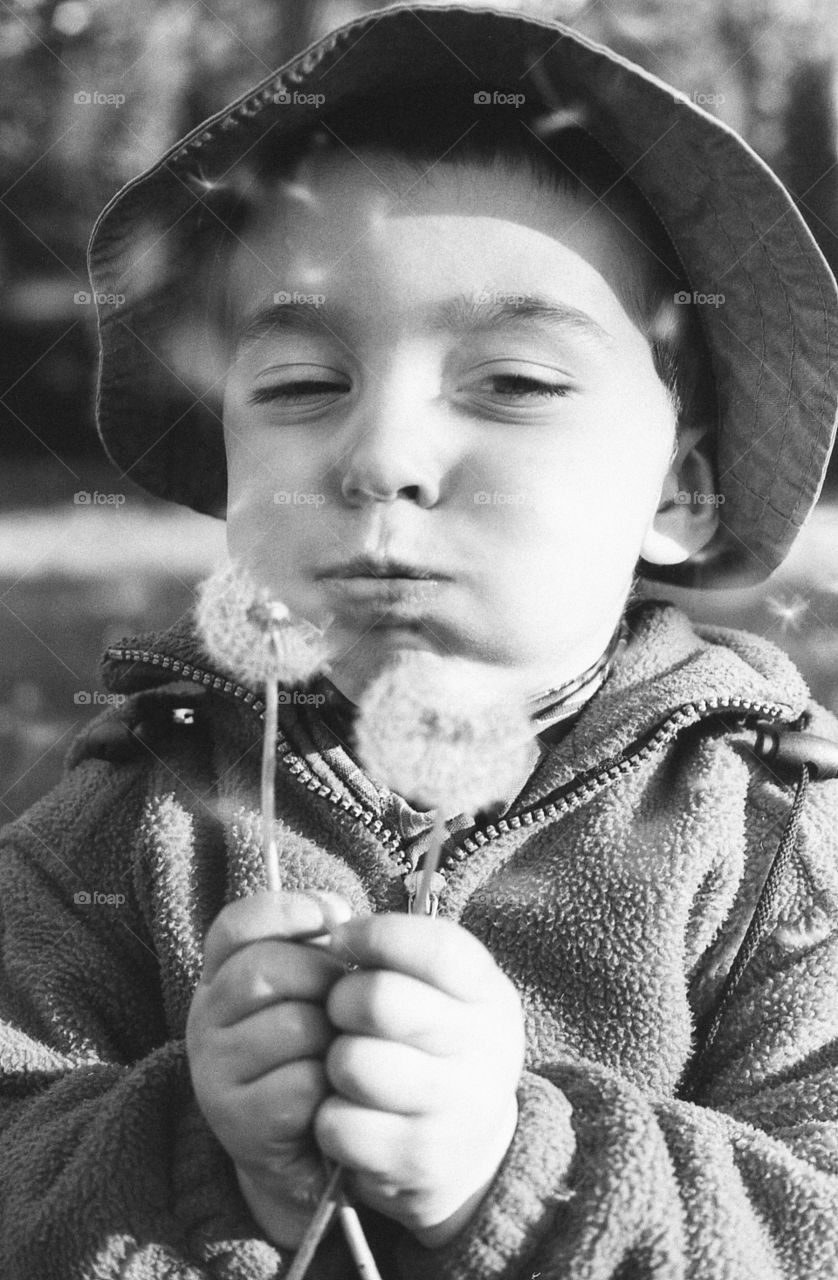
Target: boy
{"x":480,"y":358}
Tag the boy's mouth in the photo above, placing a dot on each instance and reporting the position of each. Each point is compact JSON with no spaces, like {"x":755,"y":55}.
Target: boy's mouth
{"x":392,"y":592}
{"x":370,"y":567}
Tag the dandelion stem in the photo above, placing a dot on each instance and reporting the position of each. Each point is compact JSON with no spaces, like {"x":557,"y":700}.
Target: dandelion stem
{"x":430,"y":864}
{"x":317,"y":1228}
{"x":357,"y":1241}
{"x":269,"y":851}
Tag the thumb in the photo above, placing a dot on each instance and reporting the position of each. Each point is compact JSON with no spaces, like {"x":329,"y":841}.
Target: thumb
{"x":280,"y":916}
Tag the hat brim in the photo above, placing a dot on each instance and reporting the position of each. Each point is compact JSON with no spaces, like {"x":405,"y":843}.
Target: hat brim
{"x":734,"y":226}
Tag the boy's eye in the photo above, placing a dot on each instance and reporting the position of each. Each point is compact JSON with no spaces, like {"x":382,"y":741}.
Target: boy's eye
{"x":519,"y":386}
{"x":301,"y":385}
{"x":516,"y":386}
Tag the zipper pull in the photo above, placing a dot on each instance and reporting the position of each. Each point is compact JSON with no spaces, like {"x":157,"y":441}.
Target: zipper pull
{"x":411,"y":883}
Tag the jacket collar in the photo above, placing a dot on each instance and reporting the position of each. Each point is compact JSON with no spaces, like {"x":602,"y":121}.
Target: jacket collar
{"x":670,"y":666}
{"x":667,"y":665}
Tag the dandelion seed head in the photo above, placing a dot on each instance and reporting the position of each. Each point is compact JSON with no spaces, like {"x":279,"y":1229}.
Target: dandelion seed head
{"x":253,"y":636}
{"x":443,"y":734}
{"x":788,"y":609}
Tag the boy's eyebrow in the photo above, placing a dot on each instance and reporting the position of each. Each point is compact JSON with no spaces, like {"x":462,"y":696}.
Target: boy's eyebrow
{"x":464,"y":314}
{"x":459,"y":314}
{"x":296,"y":316}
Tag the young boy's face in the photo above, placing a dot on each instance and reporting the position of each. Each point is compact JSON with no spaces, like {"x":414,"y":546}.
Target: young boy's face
{"x":448,"y":381}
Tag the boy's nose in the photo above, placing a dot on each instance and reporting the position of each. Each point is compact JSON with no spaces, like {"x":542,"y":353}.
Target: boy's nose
{"x":358,"y":494}
{"x":389,"y":460}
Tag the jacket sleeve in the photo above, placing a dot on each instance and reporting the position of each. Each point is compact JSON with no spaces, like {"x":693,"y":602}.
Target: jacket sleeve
{"x":107,"y":1168}
{"x":604,"y":1181}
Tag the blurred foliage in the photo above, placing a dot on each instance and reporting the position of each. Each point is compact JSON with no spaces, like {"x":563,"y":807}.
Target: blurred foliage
{"x":160,"y":66}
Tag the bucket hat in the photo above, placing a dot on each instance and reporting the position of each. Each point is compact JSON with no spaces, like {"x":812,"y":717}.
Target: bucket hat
{"x":733,"y":226}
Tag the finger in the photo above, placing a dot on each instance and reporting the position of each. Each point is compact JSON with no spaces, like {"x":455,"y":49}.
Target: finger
{"x":281,"y":1104}
{"x":387,"y":1076}
{"x":266,"y":973}
{"x":269,"y":915}
{"x":299,"y":1177}
{"x":431,"y":949}
{"x":268,"y":1039}
{"x":377,"y":1142}
{"x":381,"y":1003}
{"x":266,"y":1115}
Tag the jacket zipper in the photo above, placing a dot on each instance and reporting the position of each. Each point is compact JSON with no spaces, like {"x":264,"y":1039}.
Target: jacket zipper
{"x":565,"y":800}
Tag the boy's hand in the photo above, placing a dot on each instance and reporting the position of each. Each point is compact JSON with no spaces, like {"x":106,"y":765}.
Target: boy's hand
{"x":256,"y":1036}
{"x":426,"y":1069}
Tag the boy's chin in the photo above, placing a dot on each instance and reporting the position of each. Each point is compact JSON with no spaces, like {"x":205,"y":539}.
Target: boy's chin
{"x":379,"y":643}
{"x":359,"y":662}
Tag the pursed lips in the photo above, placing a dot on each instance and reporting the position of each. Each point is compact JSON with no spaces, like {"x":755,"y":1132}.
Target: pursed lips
{"x":367,"y":567}
{"x":382,"y":592}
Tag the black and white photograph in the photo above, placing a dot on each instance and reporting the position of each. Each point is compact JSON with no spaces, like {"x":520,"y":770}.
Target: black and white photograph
{"x":418,"y":640}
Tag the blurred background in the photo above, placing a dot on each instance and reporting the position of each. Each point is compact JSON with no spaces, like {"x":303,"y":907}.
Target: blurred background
{"x":91,"y":91}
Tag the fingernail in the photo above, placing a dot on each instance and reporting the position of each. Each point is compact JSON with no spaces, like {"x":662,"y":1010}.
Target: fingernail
{"x":311,"y":935}
{"x":336,"y":910}
{"x":341,"y":948}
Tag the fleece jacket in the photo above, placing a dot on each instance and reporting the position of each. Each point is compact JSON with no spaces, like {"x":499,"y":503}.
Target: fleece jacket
{"x":614,"y":892}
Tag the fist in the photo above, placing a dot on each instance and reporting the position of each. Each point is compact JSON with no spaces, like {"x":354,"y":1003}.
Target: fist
{"x":424,"y":1067}
{"x":256,"y":1037}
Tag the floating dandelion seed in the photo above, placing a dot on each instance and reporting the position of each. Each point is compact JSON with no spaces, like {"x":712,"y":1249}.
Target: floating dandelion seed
{"x":551,"y":122}
{"x":445,"y":735}
{"x":788,"y":610}
{"x":199,"y":179}
{"x":311,"y":273}
{"x":299,"y":191}
{"x":667,"y":322}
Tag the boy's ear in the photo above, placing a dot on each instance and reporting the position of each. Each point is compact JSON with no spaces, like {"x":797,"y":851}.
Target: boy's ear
{"x":688,"y":515}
